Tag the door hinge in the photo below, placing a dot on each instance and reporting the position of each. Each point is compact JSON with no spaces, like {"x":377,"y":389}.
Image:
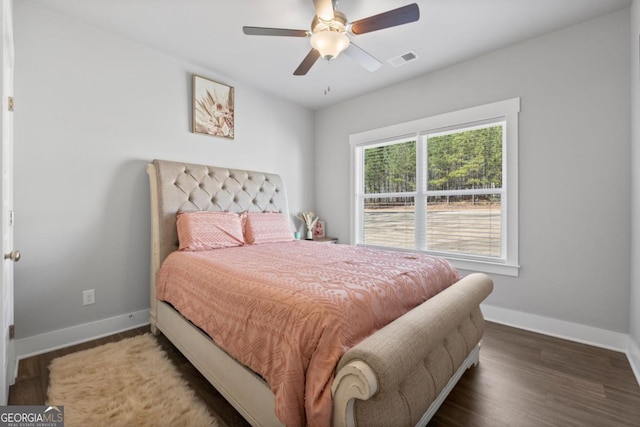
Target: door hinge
{"x":12,"y":331}
{"x":11,"y":216}
{"x":10,"y":106}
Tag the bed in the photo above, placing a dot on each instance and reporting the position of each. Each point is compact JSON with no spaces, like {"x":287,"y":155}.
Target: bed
{"x":399,"y":375}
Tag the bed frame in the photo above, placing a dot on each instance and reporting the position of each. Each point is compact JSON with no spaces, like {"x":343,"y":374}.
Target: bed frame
{"x":400,"y":375}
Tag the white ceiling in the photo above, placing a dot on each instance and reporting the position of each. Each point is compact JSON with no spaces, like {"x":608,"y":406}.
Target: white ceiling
{"x":208,"y":33}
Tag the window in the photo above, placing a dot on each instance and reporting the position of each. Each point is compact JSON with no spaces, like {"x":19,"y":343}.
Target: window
{"x":446,"y":185}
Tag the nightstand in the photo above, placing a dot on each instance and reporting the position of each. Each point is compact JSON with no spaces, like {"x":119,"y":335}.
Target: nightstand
{"x":325,"y":240}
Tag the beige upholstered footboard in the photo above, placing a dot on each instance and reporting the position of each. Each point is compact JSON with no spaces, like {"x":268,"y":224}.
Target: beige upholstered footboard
{"x":393,"y":376}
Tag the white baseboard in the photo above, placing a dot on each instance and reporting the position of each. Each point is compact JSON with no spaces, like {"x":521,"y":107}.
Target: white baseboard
{"x":49,"y":341}
{"x":43,"y":343}
{"x":558,"y":328}
{"x":634,"y":358}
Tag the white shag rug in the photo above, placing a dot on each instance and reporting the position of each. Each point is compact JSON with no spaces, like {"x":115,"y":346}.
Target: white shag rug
{"x":127,"y":383}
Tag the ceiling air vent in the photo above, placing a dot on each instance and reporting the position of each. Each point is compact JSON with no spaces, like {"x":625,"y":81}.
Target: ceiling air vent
{"x":403,"y":59}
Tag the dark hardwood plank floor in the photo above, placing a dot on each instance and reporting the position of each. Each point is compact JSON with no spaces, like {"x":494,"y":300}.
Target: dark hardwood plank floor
{"x":523,"y":379}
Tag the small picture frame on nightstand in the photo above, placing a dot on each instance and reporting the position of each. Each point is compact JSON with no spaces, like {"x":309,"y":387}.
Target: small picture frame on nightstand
{"x":319,"y":230}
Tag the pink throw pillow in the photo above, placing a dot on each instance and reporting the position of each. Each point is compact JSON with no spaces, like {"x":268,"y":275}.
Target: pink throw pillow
{"x":202,"y":231}
{"x":266,"y":227}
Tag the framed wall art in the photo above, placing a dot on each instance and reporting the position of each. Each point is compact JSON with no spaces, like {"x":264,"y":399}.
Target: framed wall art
{"x":213,"y":110}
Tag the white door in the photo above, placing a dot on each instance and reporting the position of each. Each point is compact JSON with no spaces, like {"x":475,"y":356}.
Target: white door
{"x":7,"y":350}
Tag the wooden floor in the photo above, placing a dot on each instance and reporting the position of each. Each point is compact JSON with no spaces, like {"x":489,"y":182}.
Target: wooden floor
{"x":523,"y":379}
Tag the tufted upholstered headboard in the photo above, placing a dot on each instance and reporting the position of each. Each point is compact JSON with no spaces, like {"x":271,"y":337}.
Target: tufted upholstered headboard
{"x":183,"y":187}
{"x":177,"y":187}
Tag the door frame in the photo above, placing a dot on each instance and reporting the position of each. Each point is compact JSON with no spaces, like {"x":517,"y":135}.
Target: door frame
{"x":7,"y":341}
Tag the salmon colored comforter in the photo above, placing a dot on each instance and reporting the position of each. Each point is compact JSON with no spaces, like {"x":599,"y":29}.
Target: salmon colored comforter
{"x":290,"y":310}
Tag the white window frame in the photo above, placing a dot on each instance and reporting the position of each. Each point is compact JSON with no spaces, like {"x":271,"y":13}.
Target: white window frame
{"x":507,"y":111}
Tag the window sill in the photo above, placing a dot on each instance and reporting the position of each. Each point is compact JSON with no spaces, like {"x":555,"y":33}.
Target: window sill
{"x":484,"y":266}
{"x":471,"y":265}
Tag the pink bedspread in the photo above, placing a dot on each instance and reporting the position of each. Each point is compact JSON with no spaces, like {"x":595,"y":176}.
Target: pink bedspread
{"x":290,"y":310}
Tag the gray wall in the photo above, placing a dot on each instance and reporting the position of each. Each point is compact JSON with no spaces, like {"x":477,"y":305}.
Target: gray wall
{"x":574,"y":164}
{"x":635,"y":189}
{"x":92,"y":110}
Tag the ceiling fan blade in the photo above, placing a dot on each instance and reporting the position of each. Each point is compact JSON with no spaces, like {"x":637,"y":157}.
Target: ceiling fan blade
{"x":307,"y":63}
{"x":263,"y":31}
{"x":363,"y":58}
{"x":391,"y":18}
{"x":324,"y":9}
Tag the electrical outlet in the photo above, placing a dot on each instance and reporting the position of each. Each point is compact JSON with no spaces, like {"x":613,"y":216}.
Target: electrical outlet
{"x":88,"y":297}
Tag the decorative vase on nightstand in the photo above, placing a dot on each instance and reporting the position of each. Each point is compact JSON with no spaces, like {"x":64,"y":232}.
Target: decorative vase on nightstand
{"x":309,"y":219}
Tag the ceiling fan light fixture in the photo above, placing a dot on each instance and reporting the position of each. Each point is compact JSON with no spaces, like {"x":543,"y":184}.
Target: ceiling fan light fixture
{"x":330,"y":31}
{"x":329,"y":43}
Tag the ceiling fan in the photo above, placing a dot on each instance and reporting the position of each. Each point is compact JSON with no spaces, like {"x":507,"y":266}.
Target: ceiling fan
{"x":330,"y":30}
